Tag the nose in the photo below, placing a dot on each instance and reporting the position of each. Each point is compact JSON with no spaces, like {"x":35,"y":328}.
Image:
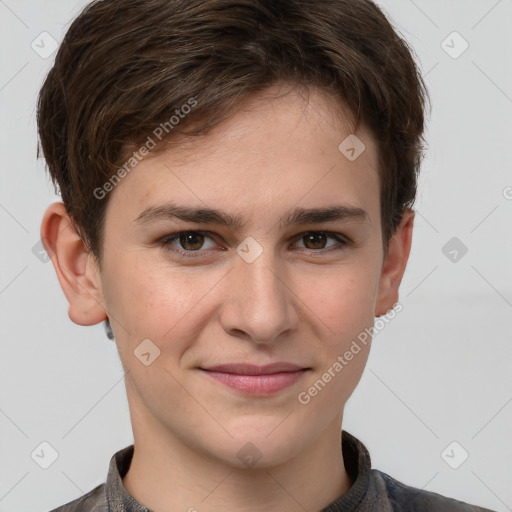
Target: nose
{"x":259,"y":304}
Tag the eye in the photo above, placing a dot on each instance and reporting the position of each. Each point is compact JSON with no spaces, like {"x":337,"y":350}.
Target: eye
{"x":189,"y":241}
{"x":315,"y":240}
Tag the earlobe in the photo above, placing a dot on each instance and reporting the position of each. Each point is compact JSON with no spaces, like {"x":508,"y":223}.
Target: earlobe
{"x":74,"y":265}
{"x":394,"y":265}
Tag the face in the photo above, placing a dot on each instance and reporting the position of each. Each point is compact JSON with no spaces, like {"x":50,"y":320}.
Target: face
{"x":260,"y":291}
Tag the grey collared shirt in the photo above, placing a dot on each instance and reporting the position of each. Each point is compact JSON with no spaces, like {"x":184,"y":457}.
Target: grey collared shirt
{"x":371,"y":491}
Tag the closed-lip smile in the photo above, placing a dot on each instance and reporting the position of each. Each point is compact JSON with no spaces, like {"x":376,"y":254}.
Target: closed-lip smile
{"x":252,"y":369}
{"x":256,"y":380}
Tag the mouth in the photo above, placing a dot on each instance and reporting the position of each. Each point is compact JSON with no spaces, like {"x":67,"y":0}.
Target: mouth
{"x":256,"y":380}
{"x":252,"y":369}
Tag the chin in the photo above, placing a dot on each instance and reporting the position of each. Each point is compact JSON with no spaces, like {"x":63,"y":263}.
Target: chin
{"x":254,"y":449}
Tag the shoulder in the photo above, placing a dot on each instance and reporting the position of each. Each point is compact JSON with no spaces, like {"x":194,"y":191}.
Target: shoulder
{"x":404,"y":498}
{"x":93,"y":501}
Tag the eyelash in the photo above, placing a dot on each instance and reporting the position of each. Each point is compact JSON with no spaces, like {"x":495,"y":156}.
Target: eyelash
{"x":170,"y":238}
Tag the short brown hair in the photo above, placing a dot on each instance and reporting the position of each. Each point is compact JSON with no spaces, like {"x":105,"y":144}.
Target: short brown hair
{"x":126,"y":66}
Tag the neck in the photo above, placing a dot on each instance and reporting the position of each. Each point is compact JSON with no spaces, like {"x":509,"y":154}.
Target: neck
{"x":166,"y":474}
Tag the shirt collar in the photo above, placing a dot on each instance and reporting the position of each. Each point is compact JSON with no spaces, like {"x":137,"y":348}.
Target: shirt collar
{"x":355,"y":456}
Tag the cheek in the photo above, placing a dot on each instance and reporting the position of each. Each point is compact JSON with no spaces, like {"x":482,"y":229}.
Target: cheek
{"x":345,"y":306}
{"x":343,"y":300}
{"x":157,"y":301}
{"x":343,"y":349}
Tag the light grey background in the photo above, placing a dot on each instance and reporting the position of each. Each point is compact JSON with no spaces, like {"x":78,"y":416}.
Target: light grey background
{"x":439,"y":372}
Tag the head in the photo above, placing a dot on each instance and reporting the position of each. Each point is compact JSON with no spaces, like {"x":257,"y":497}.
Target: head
{"x":246,"y":108}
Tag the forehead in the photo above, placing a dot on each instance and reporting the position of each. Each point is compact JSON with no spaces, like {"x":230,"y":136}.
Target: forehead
{"x":274,"y":153}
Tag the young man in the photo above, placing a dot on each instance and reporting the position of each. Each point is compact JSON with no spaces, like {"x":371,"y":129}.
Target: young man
{"x":237,"y":181}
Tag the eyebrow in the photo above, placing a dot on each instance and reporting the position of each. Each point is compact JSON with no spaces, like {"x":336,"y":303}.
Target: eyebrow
{"x":296,"y":216}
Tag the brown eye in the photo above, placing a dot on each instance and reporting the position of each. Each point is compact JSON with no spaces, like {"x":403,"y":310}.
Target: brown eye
{"x":191,"y":241}
{"x":188,"y":243}
{"x":314,"y":240}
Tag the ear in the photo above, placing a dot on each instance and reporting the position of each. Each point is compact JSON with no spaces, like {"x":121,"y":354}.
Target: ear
{"x":76,"y":268}
{"x":394,"y":265}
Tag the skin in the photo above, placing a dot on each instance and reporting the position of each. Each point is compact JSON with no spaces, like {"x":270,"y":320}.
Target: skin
{"x":297,"y":302}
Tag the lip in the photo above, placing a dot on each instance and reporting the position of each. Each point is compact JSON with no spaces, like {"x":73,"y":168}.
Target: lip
{"x":256,"y":380}
{"x":252,"y":369}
